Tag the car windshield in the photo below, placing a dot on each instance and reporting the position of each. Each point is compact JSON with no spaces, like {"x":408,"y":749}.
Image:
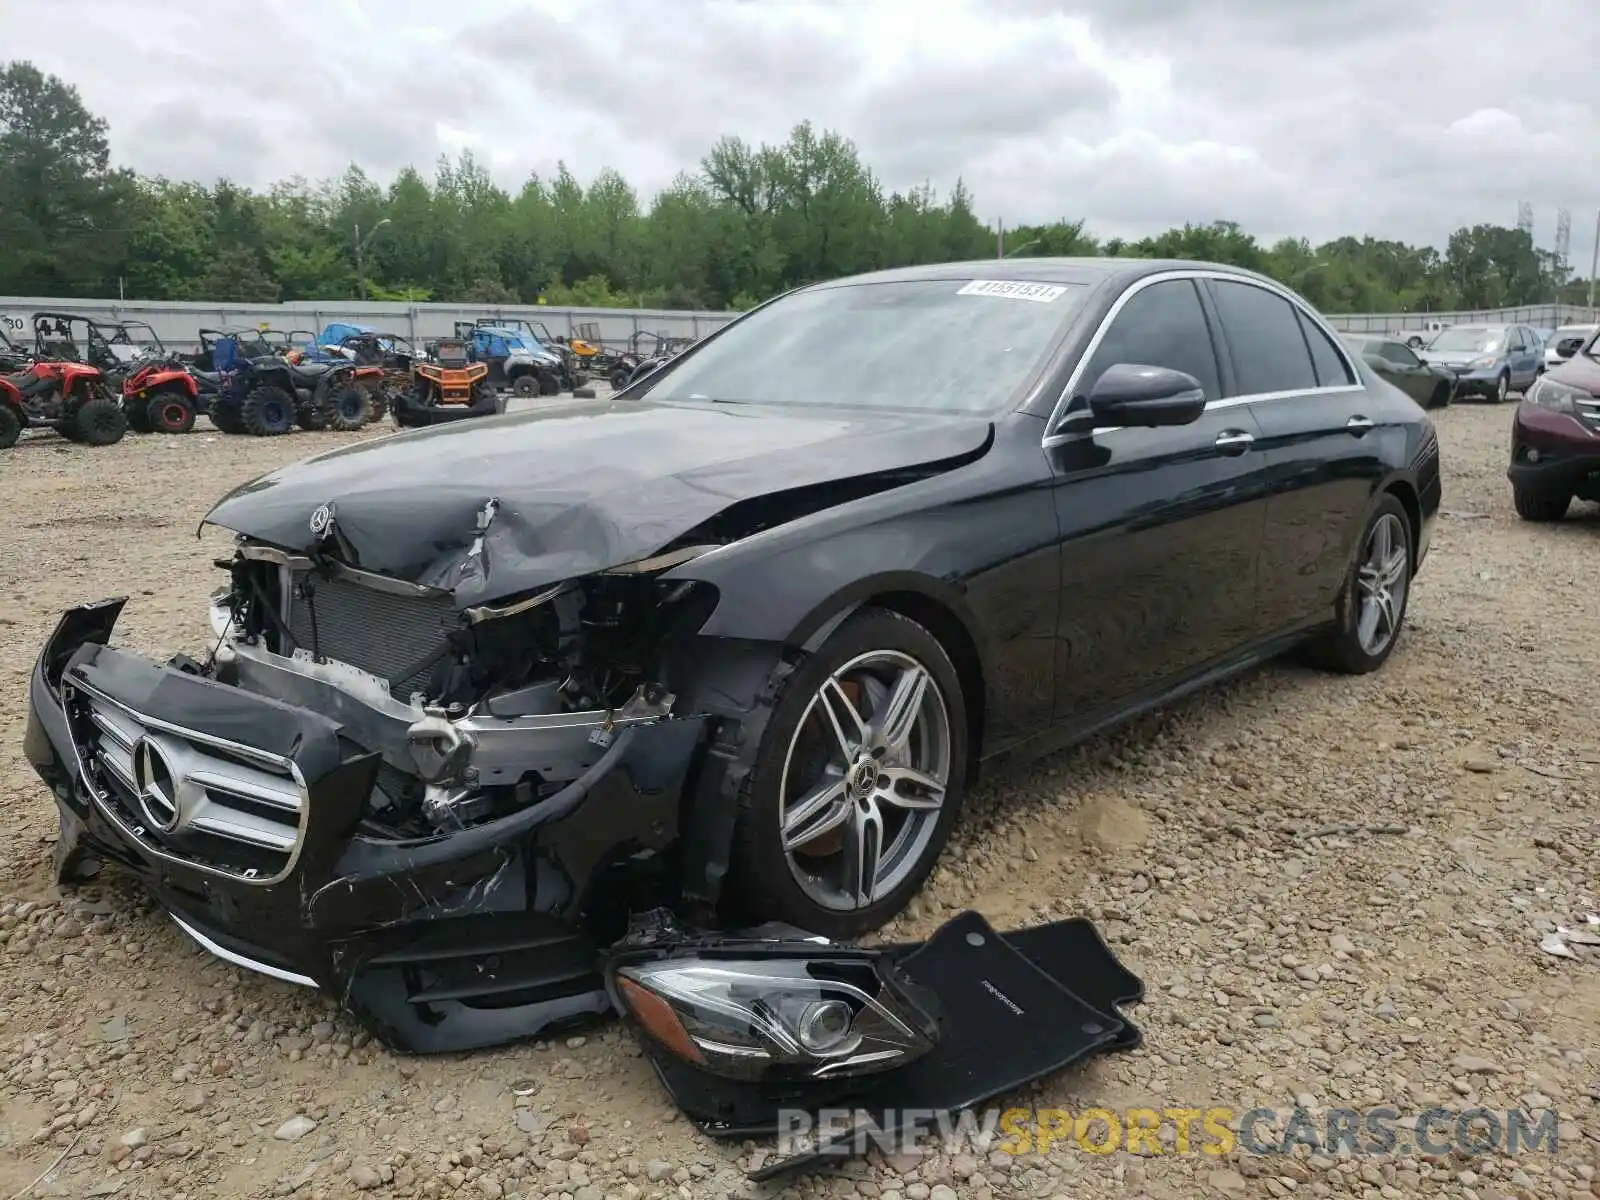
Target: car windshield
{"x":942,"y":345}
{"x":1466,"y":338}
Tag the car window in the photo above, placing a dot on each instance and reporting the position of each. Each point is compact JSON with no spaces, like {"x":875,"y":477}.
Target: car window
{"x":1331,"y":367}
{"x":1161,"y":325}
{"x":1269,"y":350}
{"x":1468,"y":339}
{"x":943,"y":345}
{"x":1400,"y":356}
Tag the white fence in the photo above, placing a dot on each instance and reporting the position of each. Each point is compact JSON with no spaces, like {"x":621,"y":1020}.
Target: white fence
{"x":177,"y":323}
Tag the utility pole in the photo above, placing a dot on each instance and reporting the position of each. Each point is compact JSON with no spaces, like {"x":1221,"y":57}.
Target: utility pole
{"x":999,"y":239}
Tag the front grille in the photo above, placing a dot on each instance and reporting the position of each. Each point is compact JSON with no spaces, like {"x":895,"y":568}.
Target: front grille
{"x":396,"y":637}
{"x":225,"y":807}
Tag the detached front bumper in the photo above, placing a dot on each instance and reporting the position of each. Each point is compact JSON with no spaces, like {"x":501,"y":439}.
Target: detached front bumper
{"x":246,"y":818}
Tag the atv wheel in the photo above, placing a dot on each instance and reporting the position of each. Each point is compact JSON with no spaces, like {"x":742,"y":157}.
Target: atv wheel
{"x":549,"y":385}
{"x":10,"y":426}
{"x":487,"y":393}
{"x":99,"y":422}
{"x":526,"y":385}
{"x":171,"y":413}
{"x":347,"y":409}
{"x":311,"y":418}
{"x":138,"y":413}
{"x":267,"y":411}
{"x":226,"y":419}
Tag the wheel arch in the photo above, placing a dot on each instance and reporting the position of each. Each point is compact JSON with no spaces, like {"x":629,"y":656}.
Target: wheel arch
{"x":1403,"y":490}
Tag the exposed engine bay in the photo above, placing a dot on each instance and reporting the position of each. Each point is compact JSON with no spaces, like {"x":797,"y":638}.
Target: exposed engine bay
{"x":478,"y":712}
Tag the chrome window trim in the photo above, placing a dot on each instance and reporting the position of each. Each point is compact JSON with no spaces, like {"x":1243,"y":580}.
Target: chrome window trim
{"x":1054,"y":434}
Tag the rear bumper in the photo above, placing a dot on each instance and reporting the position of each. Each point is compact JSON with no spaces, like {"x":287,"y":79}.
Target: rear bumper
{"x":1554,"y":453}
{"x":451,"y":942}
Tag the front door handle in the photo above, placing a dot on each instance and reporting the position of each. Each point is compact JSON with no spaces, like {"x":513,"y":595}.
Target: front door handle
{"x":1234,"y":441}
{"x":1358,"y":425}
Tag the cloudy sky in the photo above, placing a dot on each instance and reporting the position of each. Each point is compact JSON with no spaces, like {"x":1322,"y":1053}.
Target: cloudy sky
{"x":1315,"y":117}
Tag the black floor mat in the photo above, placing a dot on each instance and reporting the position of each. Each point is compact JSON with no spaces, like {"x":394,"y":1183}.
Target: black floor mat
{"x":1015,"y":1008}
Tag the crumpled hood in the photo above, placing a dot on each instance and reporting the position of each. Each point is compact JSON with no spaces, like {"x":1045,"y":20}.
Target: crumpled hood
{"x":577,"y":489}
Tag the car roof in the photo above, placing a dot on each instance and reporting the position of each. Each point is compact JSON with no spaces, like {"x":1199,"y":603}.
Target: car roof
{"x":1084,"y":271}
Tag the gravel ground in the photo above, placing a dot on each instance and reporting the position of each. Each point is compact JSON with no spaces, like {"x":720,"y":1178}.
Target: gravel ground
{"x":1334,"y":889}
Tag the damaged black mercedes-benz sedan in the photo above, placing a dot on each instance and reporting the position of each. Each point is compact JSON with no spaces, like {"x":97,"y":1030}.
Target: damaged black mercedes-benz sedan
{"x":734,"y":641}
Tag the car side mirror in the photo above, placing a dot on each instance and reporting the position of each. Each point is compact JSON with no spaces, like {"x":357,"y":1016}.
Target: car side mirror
{"x":1567,"y":347}
{"x":1131,"y":394}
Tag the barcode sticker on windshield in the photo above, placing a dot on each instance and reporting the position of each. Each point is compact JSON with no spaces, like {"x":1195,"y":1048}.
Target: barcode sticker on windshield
{"x":1039,"y":293}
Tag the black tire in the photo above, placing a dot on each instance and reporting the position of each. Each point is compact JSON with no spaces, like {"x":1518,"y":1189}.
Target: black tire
{"x":1502,"y":387}
{"x":268,"y":411}
{"x":10,"y":426}
{"x":1540,"y":506}
{"x":486,"y":393}
{"x":311,"y":418}
{"x":347,"y":408}
{"x":1340,"y":647}
{"x":225,"y":418}
{"x":526,"y":385}
{"x":138,"y":413}
{"x":99,"y":422}
{"x":762,"y":877}
{"x":549,"y":385}
{"x":170,"y":412}
{"x":619,"y":378}
{"x":1441,"y":396}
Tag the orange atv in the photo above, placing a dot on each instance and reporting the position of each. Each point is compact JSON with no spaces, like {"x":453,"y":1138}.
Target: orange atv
{"x":447,"y":386}
{"x":71,"y":398}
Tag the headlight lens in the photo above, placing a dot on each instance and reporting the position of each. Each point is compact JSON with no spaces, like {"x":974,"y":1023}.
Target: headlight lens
{"x":1556,"y":396}
{"x":1482,"y":364}
{"x":813,"y":1017}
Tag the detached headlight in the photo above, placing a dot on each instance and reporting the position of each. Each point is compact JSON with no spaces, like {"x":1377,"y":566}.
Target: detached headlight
{"x":1556,"y":396}
{"x":817,"y":1017}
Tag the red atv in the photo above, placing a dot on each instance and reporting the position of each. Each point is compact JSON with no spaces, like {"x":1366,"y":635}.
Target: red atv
{"x":70,"y":398}
{"x":160,"y":396}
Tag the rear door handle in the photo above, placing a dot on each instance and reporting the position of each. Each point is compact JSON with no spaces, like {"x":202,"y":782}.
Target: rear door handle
{"x":1234,"y":441}
{"x":1358,"y":425}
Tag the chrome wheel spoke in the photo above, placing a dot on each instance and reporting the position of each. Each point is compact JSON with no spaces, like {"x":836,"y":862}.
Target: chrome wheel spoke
{"x":1381,"y":585}
{"x":819,"y":812}
{"x":901,"y":711}
{"x":849,"y":729}
{"x":863,"y":852}
{"x":921,"y":790}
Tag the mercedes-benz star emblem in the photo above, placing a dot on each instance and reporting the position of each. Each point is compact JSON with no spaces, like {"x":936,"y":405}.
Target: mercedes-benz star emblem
{"x":321,"y":519}
{"x":158,"y":789}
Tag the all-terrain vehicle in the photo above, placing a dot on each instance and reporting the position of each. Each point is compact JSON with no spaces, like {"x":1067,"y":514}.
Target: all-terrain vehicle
{"x":160,"y":394}
{"x":515,"y":359}
{"x":113,"y":348}
{"x":447,"y":387}
{"x":71,"y":398}
{"x":645,"y":347}
{"x":574,"y":355}
{"x":391,"y":353}
{"x":262,"y":393}
{"x":12,"y":356}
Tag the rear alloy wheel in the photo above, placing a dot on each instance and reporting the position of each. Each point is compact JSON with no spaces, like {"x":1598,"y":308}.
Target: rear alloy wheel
{"x":857,"y":780}
{"x":1372,"y":606}
{"x":171,"y":413}
{"x":99,"y":422}
{"x":1502,"y":387}
{"x":1540,"y":506}
{"x":267,"y":411}
{"x":10,"y":426}
{"x":347,"y":409}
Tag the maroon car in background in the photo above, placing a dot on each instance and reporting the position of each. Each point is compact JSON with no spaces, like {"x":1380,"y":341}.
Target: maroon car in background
{"x":1555,"y":435}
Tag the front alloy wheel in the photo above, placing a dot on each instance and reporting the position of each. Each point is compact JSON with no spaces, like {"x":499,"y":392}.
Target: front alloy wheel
{"x":864,"y":780}
{"x":857,"y":780}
